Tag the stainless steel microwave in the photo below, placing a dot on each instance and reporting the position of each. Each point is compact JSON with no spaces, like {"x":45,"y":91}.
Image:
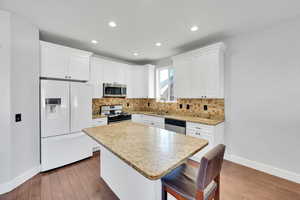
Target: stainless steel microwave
{"x":114,"y":90}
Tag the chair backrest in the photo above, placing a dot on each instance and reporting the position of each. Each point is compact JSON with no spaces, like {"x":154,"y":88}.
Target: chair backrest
{"x":210,"y":166}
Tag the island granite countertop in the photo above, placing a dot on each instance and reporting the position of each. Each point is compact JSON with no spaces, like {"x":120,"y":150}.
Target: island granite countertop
{"x":151,"y":151}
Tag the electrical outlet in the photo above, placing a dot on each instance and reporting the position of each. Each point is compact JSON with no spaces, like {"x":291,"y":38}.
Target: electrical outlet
{"x":148,"y":104}
{"x":205,"y":107}
{"x":18,"y":117}
{"x":180,"y":106}
{"x":188,"y":106}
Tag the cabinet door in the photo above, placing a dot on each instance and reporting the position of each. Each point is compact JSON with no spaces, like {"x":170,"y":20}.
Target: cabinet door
{"x":139,"y":82}
{"x":120,"y":73}
{"x":182,"y":78}
{"x":129,"y":81}
{"x":197,"y":78}
{"x":96,"y":79}
{"x":54,"y":61}
{"x":79,"y":66}
{"x":109,"y":71}
{"x":201,"y":135}
{"x":151,"y":81}
{"x":208,"y":71}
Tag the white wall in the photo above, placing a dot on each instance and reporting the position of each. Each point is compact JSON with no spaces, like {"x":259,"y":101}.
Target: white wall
{"x":24,"y":95}
{"x":5,"y":97}
{"x":262,"y":105}
{"x":19,"y":73}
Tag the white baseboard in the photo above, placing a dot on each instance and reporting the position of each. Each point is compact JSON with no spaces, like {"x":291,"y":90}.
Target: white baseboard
{"x":291,"y":176}
{"x":12,"y":184}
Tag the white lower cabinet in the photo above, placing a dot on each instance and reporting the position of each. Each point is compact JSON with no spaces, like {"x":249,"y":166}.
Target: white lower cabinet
{"x":213,"y":134}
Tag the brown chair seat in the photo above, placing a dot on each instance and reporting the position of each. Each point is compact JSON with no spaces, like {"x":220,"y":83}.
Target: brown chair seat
{"x":183,"y":180}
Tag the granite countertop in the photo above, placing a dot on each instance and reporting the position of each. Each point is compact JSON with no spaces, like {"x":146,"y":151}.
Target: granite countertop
{"x":212,"y":122}
{"x":153,"y":152}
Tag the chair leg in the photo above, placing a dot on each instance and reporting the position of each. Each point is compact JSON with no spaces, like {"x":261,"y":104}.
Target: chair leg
{"x":164,"y":194}
{"x":217,"y":193}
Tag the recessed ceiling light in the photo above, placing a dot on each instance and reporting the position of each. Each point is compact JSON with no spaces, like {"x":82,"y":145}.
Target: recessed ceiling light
{"x":135,"y":54}
{"x":158,"y":44}
{"x":94,"y":41}
{"x":112,"y":24}
{"x":194,"y":28}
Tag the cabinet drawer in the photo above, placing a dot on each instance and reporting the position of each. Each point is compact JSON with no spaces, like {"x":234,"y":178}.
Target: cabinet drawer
{"x":200,"y":127}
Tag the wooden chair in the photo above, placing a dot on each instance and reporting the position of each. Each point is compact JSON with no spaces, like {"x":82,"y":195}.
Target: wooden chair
{"x":187,"y":182}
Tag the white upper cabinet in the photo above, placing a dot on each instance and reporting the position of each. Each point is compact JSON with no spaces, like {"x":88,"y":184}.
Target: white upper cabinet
{"x":54,"y":61}
{"x":200,"y":73}
{"x":64,"y":63}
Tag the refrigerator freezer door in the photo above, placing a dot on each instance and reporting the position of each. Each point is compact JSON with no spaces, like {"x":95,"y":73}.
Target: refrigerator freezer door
{"x":81,"y":106}
{"x":62,"y":150}
{"x":55,"y":108}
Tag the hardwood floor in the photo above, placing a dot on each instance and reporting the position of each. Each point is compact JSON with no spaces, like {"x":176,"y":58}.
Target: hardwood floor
{"x":80,"y":181}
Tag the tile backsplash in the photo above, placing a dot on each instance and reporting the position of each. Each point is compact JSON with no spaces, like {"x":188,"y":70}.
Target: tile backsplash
{"x":206,"y":108}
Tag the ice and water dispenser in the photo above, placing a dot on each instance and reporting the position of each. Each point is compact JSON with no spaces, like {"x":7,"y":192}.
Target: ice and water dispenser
{"x":52,"y":105}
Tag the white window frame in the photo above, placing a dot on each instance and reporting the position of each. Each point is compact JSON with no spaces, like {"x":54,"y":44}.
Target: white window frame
{"x":157,"y":83}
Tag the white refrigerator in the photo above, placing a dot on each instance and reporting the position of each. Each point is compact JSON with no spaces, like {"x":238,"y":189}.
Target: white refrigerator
{"x":66,"y":108}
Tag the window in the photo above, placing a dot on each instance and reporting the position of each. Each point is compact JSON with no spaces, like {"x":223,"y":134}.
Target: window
{"x":165,"y":84}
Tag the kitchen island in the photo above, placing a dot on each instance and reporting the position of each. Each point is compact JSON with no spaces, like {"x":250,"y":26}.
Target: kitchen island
{"x":134,"y":157}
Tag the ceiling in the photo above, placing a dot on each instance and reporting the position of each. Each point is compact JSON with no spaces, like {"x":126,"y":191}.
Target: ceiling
{"x":142,"y":23}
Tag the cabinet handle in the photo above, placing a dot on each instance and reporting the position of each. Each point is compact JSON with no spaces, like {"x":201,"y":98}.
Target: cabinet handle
{"x":66,"y":76}
{"x":198,"y":133}
{"x":198,"y":128}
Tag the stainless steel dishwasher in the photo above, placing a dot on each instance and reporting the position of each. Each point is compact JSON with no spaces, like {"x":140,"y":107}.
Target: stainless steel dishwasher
{"x":175,"y":125}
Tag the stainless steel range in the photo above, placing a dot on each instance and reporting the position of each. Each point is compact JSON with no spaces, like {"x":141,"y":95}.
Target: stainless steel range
{"x":114,"y":113}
